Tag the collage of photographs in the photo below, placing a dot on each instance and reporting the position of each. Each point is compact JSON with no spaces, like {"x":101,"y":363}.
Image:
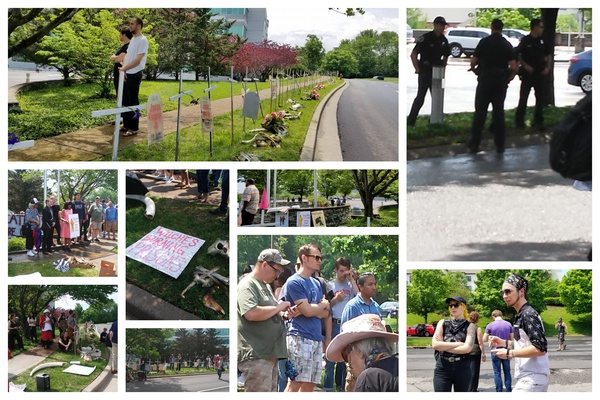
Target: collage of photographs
{"x":256,"y":247}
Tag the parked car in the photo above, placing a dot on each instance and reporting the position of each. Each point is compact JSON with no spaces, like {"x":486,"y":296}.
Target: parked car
{"x":515,"y":33}
{"x":465,"y":40}
{"x":409,"y":34}
{"x":389,"y":307}
{"x":580,"y":71}
{"x":426,"y":330}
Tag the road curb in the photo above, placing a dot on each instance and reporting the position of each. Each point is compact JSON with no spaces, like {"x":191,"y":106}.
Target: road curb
{"x":310,"y":142}
{"x":145,"y":306}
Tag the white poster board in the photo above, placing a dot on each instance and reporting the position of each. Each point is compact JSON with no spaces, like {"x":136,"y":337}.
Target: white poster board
{"x":165,"y":250}
{"x":303,"y":219}
{"x":74,"y":228}
{"x":155,"y":119}
{"x":206,"y":110}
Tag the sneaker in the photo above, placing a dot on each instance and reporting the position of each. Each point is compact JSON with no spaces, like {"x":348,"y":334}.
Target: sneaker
{"x":217,"y":211}
{"x":169,"y":180}
{"x":160,"y":176}
{"x":30,"y":253}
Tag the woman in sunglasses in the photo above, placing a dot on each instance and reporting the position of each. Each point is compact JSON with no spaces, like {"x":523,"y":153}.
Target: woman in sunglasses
{"x":452,"y":341}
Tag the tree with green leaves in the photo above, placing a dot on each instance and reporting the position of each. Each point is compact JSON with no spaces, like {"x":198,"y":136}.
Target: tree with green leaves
{"x":350,"y":12}
{"x":27,"y":26}
{"x":426,"y":292}
{"x":312,"y":53}
{"x":342,"y":61}
{"x":575,"y":291}
{"x":23,"y":299}
{"x":23,"y":186}
{"x":488,"y":297}
{"x":371,"y":184}
{"x":296,"y":182}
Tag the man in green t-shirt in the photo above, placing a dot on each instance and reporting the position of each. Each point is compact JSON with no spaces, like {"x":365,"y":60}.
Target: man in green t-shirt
{"x":261,"y":331}
{"x":96,"y":213}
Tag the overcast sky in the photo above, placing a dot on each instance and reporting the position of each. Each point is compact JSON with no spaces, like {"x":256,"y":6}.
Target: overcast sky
{"x":291,"y":26}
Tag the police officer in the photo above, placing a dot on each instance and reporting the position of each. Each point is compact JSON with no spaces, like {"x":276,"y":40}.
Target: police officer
{"x":434,"y":51}
{"x":495,"y":65}
{"x":533,"y":55}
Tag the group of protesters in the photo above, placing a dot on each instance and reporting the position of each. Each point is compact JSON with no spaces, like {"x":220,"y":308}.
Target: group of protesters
{"x":96,"y":219}
{"x":47,"y":322}
{"x":285,"y":326}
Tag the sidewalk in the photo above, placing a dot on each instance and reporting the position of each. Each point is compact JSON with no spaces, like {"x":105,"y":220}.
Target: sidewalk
{"x":92,"y":143}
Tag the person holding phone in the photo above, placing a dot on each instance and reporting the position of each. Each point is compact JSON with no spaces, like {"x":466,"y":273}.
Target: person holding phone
{"x":530,"y":346}
{"x":261,"y":331}
{"x":344,"y":288}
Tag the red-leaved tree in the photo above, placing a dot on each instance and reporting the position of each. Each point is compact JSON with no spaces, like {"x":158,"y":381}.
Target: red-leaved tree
{"x":262,"y":58}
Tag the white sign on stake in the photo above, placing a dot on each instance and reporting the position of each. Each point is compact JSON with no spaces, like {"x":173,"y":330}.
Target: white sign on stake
{"x":155,"y":119}
{"x":165,"y":250}
{"x":207,"y":121}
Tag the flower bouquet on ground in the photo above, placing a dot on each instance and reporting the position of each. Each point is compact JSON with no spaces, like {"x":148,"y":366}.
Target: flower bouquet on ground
{"x":313,"y":95}
{"x":274,"y":122}
{"x":319,"y":86}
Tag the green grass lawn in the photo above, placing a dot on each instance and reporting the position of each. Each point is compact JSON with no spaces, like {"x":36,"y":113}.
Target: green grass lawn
{"x":577,"y":324}
{"x":195,"y":145}
{"x":192,"y":219}
{"x":61,"y":381}
{"x":388,"y":216}
{"x":45,"y":267}
{"x":456,"y":127}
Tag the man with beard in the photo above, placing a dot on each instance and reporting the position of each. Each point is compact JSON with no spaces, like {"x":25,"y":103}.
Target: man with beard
{"x":529,"y":347}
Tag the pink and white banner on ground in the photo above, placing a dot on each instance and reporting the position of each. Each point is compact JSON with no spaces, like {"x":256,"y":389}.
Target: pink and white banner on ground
{"x":165,"y":250}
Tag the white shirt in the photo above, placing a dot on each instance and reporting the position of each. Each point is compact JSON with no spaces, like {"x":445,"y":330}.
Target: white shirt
{"x":137,"y":45}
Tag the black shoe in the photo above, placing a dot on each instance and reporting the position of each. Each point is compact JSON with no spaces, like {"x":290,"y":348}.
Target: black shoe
{"x":217,"y":211}
{"x":97,"y":241}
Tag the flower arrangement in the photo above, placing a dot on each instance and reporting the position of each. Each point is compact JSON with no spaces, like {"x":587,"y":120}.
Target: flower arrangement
{"x":313,"y":95}
{"x":320,"y":86}
{"x":274,"y":122}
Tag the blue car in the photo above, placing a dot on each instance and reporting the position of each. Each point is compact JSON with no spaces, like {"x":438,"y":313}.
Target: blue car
{"x":580,"y":71}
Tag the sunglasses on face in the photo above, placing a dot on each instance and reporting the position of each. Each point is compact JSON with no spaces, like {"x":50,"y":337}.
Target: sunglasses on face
{"x":454,"y":305}
{"x":506,"y":292}
{"x":318,"y":258}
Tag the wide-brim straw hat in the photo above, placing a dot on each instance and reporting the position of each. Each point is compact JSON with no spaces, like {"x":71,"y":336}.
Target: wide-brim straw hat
{"x":362,"y":327}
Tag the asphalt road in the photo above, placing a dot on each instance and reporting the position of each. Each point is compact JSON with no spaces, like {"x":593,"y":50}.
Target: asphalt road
{"x":183,"y":383}
{"x":571,"y":370}
{"x":493,"y":208}
{"x":367,"y":118}
{"x":460,"y":84}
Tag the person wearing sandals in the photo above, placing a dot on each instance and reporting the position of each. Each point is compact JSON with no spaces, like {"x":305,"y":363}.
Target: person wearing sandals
{"x":452,"y":341}
{"x":185,"y":180}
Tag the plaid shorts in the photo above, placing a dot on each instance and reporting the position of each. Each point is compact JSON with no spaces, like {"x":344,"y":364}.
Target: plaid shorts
{"x":307,"y":356}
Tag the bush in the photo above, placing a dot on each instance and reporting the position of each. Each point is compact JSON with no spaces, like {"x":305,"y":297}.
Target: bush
{"x":553,"y":301}
{"x":16,"y":244}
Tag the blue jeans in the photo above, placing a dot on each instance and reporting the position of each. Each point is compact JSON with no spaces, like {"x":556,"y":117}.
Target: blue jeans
{"x":340,"y":367}
{"x":282,"y":380}
{"x":497,"y":363}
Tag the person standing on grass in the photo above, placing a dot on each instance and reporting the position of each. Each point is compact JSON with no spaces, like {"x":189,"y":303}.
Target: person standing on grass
{"x":133,"y":66}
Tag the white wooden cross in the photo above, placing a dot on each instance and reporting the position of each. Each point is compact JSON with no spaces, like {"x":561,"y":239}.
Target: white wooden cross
{"x":117,"y":113}
{"x":178,"y":97}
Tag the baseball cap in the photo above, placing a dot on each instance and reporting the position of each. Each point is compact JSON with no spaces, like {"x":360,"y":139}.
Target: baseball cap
{"x":97,"y":197}
{"x":272,"y":255}
{"x":460,"y":299}
{"x":440,"y":21}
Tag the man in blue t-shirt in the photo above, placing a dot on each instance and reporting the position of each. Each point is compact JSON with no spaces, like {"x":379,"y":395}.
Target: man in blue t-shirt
{"x":305,"y":337}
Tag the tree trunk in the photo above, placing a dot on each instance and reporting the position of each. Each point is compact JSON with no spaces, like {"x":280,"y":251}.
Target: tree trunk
{"x":549,"y":16}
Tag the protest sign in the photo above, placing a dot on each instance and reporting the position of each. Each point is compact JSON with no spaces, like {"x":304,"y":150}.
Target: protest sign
{"x":165,"y":250}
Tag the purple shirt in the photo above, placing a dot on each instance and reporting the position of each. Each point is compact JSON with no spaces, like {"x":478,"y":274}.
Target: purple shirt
{"x":500,"y":328}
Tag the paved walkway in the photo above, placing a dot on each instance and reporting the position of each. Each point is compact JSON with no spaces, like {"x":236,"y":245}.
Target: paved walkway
{"x":93,"y":143}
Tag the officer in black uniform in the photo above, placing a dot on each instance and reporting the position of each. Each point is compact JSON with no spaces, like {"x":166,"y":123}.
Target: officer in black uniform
{"x":434,"y":50}
{"x":533,"y":55}
{"x":495,"y":65}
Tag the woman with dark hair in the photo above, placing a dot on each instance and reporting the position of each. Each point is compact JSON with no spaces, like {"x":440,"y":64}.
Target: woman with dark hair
{"x":13,"y":332}
{"x":32,"y":324}
{"x":64,"y":342}
{"x":452,"y":341}
{"x":125,"y":36}
{"x":65,"y":225}
{"x":477,"y":354}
